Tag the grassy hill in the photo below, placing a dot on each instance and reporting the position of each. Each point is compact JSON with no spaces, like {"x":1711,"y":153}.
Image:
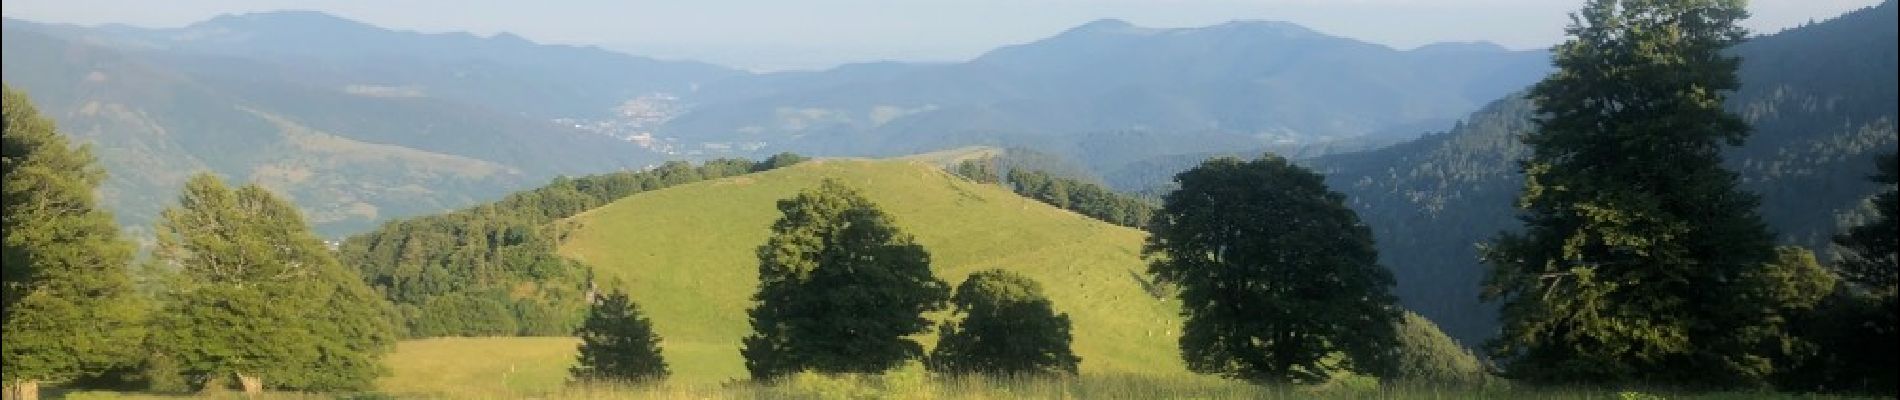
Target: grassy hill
{"x":686,"y":255}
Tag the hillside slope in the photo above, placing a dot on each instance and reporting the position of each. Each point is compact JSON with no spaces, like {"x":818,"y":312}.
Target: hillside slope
{"x":687,"y":256}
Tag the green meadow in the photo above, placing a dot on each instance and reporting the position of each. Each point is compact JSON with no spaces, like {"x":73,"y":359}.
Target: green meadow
{"x":686,"y":255}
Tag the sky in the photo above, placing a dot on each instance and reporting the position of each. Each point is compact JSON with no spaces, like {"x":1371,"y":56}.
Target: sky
{"x":766,"y":35}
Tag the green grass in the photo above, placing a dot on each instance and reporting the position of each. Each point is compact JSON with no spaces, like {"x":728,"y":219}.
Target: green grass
{"x":478,"y":367}
{"x":687,"y":256}
{"x":468,"y":369}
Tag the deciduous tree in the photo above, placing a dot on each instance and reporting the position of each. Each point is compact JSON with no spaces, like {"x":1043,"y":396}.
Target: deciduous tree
{"x":841,"y":289}
{"x":1008,"y":327}
{"x":1276,"y":275}
{"x":259,"y":297}
{"x":69,"y":306}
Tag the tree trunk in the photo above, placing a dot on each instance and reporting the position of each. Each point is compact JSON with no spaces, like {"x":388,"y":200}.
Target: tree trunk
{"x":28,"y":389}
{"x":253,"y":385}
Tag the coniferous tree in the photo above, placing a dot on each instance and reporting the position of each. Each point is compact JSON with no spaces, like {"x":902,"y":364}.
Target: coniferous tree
{"x":1008,"y":328}
{"x":1871,"y":259}
{"x":841,"y":289}
{"x":1858,"y":328}
{"x":1275,"y":274}
{"x":70,"y":309}
{"x":261,"y":298}
{"x":618,"y":343}
{"x":1636,"y":240}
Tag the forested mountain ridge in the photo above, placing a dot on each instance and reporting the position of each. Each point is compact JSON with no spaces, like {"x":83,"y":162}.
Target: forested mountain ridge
{"x":1821,"y":99}
{"x":503,"y":72}
{"x":351,"y":159}
{"x":1109,"y":93}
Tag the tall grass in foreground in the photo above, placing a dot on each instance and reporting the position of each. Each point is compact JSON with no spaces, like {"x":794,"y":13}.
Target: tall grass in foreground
{"x":914,"y":384}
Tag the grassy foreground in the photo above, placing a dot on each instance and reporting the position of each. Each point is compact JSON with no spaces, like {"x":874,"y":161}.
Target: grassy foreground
{"x":536,"y":368}
{"x":687,"y":255}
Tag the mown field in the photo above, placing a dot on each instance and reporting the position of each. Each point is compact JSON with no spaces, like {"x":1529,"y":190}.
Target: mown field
{"x":687,"y":256}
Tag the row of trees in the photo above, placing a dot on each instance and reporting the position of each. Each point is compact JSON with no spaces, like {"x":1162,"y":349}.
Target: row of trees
{"x":238,"y":286}
{"x":1092,"y":200}
{"x":464,"y":273}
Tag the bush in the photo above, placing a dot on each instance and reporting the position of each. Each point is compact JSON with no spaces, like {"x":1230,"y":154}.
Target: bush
{"x":1427,"y":355}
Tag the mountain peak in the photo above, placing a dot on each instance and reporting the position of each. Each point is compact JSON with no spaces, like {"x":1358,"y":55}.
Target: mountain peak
{"x":1106,"y":23}
{"x":1260,"y":26}
{"x":282,"y":19}
{"x":1104,"y":26}
{"x":1462,"y":47}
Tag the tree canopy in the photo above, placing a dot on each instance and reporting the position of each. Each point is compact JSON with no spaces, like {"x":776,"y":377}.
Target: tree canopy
{"x":1636,"y":240}
{"x":258,"y":296}
{"x":69,"y":306}
{"x":1008,"y":328}
{"x":618,"y":343}
{"x":841,"y":289}
{"x":1276,"y":275}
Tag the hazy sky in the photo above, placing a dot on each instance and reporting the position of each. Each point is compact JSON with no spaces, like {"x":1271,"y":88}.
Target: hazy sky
{"x":767,"y":35}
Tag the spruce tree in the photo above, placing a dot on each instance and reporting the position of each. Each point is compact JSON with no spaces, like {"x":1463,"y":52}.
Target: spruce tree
{"x":1636,"y":244}
{"x":1860,"y":330}
{"x":841,"y":289}
{"x":69,"y":310}
{"x":618,"y":343}
{"x":1871,"y":256}
{"x":259,"y":297}
{"x":1008,"y":328}
{"x":1276,"y":274}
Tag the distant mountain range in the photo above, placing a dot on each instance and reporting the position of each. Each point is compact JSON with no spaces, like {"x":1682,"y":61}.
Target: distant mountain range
{"x":1110,"y":93}
{"x":360,"y":123}
{"x":351,"y":149}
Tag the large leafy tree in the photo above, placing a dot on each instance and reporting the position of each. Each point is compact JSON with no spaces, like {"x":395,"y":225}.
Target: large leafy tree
{"x":258,"y":296}
{"x":1276,"y":275}
{"x":1632,"y":263}
{"x":841,"y":289}
{"x":1009,"y":327}
{"x":69,"y":305}
{"x":618,"y":343}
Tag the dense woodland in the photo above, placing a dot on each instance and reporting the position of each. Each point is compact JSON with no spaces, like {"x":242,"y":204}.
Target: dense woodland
{"x":1638,"y":253}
